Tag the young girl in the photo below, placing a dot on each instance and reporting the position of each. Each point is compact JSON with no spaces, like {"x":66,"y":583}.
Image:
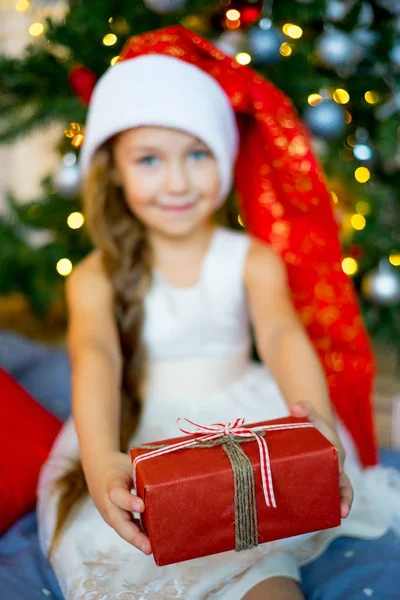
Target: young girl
{"x":160,"y":320}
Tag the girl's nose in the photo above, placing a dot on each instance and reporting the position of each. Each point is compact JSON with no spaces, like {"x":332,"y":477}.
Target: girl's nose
{"x":177,"y":180}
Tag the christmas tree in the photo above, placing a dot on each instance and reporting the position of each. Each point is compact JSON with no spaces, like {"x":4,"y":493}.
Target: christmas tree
{"x":339,"y":62}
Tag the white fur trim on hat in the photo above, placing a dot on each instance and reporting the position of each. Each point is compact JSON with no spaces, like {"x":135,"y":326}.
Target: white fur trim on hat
{"x":167,"y":92}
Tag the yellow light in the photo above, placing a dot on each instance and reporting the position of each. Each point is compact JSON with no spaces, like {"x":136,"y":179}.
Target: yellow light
{"x":110,"y":39}
{"x":358,"y":222}
{"x":110,"y":20}
{"x":77,"y":141}
{"x":363,"y":208}
{"x":233,"y":15}
{"x":64,"y":267}
{"x":314,"y":99}
{"x":293,"y":31}
{"x":243,"y":58}
{"x":349,"y":265}
{"x":75,"y":220}
{"x":341,"y":96}
{"x":36,"y":29}
{"x":394,"y":258}
{"x":232,"y":24}
{"x":22,"y":5}
{"x":240,"y":221}
{"x":114,"y":60}
{"x":285,"y":49}
{"x":194,"y":22}
{"x":362,"y":174}
{"x":348,"y":117}
{"x":371,"y":97}
{"x":72,"y":129}
{"x":334,"y":198}
{"x":352,"y":141}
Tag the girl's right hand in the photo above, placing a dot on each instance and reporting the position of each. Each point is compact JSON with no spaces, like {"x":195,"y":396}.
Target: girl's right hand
{"x":111,"y":493}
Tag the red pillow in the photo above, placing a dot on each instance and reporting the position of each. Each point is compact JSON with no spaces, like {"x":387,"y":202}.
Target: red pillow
{"x":27,"y":432}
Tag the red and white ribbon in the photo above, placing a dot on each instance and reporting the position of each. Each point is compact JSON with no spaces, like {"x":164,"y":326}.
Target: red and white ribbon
{"x":217,"y":430}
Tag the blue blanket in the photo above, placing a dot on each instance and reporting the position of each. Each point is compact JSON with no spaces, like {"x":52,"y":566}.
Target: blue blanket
{"x":350,"y":569}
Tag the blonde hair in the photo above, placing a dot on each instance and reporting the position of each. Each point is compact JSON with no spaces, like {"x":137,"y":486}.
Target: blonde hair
{"x":123,"y":242}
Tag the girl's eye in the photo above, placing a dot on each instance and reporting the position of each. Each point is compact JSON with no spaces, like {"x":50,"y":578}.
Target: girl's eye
{"x":199,"y":154}
{"x":148,"y":160}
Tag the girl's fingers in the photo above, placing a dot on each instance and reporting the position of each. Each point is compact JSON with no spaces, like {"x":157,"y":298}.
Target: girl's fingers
{"x":346,"y":495}
{"x":123,"y":525}
{"x":307,"y":410}
{"x":122,"y":498}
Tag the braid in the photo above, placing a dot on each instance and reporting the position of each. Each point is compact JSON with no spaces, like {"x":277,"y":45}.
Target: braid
{"x":126,"y":258}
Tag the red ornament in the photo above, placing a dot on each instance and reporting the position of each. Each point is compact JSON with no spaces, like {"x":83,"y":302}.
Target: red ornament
{"x":82,"y":81}
{"x":249,"y":15}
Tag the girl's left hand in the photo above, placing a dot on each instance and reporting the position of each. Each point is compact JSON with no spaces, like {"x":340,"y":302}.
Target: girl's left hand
{"x":346,"y":490}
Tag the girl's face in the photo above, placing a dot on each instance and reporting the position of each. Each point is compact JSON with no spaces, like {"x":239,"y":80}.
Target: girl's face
{"x":170,"y":178}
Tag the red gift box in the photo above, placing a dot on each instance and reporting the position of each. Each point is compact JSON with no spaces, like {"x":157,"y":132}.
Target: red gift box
{"x":189,"y":493}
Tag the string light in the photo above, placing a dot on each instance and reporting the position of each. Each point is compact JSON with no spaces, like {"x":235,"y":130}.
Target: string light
{"x":77,"y":140}
{"x":285,"y":49}
{"x":363,"y":152}
{"x":75,"y":220}
{"x":22,"y":5}
{"x":240,"y":221}
{"x":363,"y":208}
{"x":36,"y":29}
{"x":233,"y":14}
{"x":371,"y":97}
{"x":349,"y":265}
{"x":64,"y":267}
{"x":341,"y":96}
{"x":348,"y":117}
{"x":232,"y":24}
{"x":72,"y":129}
{"x":394,"y":258}
{"x":362,"y":174}
{"x":358,"y":222}
{"x":243,"y":58}
{"x":114,"y":60}
{"x":334,"y":197}
{"x":314,"y":99}
{"x":110,"y":39}
{"x":293,"y":31}
{"x":351,"y":140}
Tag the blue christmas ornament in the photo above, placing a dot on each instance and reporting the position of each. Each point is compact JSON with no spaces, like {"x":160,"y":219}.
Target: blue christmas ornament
{"x":326,"y":119}
{"x":164,"y":7}
{"x":338,"y":49}
{"x":264,"y":45}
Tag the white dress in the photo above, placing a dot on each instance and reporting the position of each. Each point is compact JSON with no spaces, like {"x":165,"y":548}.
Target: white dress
{"x":198,"y":344}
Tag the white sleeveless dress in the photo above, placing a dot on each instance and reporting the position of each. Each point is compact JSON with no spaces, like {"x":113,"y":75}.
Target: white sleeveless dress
{"x":198,"y":343}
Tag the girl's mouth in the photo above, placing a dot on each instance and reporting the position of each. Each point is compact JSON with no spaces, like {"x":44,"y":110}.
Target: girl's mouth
{"x":176,"y":208}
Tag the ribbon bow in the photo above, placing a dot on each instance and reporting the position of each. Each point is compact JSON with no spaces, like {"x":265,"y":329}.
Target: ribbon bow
{"x":220,"y":430}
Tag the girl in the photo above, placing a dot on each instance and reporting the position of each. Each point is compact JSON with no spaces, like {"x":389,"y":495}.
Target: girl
{"x":159,"y":325}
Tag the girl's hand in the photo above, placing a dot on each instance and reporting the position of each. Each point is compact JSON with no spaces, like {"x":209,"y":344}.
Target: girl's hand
{"x":346,"y":490}
{"x":112,"y":497}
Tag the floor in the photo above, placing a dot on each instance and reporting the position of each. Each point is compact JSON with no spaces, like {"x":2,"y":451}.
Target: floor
{"x":387,"y":399}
